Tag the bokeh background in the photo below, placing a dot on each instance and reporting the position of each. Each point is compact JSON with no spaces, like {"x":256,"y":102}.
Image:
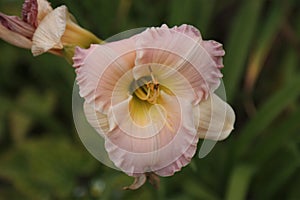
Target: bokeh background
{"x":42,"y":157}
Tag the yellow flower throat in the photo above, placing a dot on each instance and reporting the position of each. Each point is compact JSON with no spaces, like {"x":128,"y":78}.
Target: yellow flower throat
{"x":147,"y":90}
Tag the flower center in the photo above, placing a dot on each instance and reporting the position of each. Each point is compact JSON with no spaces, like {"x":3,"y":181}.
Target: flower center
{"x":147,"y":89}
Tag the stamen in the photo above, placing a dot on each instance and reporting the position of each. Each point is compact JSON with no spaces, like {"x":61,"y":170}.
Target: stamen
{"x":140,"y":94}
{"x":150,"y":91}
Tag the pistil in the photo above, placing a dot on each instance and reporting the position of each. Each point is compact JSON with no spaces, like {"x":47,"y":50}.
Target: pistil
{"x":149,"y":92}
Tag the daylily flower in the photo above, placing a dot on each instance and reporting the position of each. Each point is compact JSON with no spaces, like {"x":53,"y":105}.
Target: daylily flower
{"x":151,"y":97}
{"x":43,"y":29}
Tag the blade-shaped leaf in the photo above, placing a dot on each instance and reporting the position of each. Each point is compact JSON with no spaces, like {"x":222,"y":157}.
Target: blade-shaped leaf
{"x":238,"y":44}
{"x":266,"y":114}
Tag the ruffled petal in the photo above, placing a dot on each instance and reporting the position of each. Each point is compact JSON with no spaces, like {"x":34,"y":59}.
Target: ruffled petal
{"x":181,"y":49}
{"x":216,"y":118}
{"x":49,"y":32}
{"x":166,"y":151}
{"x":182,"y":161}
{"x":99,"y":70}
{"x":215,"y":50}
{"x":188,"y":30}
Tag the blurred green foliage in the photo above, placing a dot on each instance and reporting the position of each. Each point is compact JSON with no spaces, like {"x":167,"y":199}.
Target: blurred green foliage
{"x":41,"y":156}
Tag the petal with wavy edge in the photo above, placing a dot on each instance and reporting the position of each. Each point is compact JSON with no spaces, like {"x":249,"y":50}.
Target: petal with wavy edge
{"x":164,"y":153}
{"x":99,"y":70}
{"x":49,"y":32}
{"x":215,"y":50}
{"x":188,"y":30}
{"x":216,"y":118}
{"x":183,"y":52}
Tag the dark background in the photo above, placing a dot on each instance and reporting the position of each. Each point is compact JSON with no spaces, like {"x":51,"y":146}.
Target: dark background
{"x":42,"y":157}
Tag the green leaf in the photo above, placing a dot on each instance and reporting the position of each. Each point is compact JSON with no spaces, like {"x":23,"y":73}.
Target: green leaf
{"x":6,"y":105}
{"x":239,"y":182}
{"x":45,"y":168}
{"x":266,"y":114}
{"x":30,"y":107}
{"x":278,"y":178}
{"x":180,"y":12}
{"x":289,"y":62}
{"x":203,"y":13}
{"x":19,"y":123}
{"x":276,"y":138}
{"x":198,"y":190}
{"x":36,"y":103}
{"x":264,"y":42}
{"x":293,"y":192}
{"x":238,"y":44}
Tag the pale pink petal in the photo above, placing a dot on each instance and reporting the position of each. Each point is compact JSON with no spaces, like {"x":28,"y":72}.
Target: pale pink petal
{"x":138,"y":118}
{"x":121,"y":119}
{"x":216,"y":118}
{"x":216,"y":51}
{"x":49,"y":32}
{"x":182,"y":161}
{"x":81,"y":55}
{"x":96,"y":119}
{"x":16,"y":25}
{"x":180,"y":49}
{"x":14,"y":38}
{"x":100,"y":68}
{"x":164,"y":153}
{"x":188,"y":30}
{"x":44,"y":8}
{"x":170,"y":80}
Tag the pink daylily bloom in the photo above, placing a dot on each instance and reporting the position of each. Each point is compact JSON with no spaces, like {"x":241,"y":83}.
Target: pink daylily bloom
{"x":19,"y":31}
{"x":151,"y":97}
{"x":43,"y":29}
